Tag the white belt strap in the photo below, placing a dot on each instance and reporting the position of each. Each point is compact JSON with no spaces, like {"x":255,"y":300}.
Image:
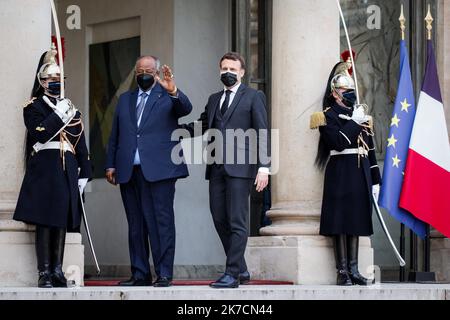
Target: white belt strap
{"x":52,"y":145}
{"x":349,"y":151}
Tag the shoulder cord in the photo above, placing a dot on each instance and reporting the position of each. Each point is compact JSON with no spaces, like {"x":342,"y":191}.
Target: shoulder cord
{"x":64,"y":139}
{"x":362,"y":145}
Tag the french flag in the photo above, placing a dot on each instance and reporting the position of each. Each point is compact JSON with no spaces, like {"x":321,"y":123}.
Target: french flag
{"x":426,"y":186}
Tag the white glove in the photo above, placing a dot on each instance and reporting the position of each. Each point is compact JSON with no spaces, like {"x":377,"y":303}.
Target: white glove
{"x":359,"y":116}
{"x":63,"y":108}
{"x":82,"y":184}
{"x":376,"y":191}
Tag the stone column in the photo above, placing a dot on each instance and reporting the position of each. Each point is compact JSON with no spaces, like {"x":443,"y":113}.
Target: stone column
{"x":25,"y":29}
{"x":306,"y":45}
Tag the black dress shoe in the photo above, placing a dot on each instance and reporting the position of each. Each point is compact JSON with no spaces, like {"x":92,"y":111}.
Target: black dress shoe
{"x":356,"y":277}
{"x":244,"y":278}
{"x":58,"y":278}
{"x":57,"y":243}
{"x":343,"y":278}
{"x":162,"y":282}
{"x":225,"y":282}
{"x":359,"y":280}
{"x":133,"y":282}
{"x":45,"y":280}
{"x":352,"y":252}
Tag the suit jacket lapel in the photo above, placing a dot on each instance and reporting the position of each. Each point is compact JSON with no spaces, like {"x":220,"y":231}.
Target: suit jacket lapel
{"x":150,"y":104}
{"x":213,"y":108}
{"x":132,"y":108}
{"x":233,"y":106}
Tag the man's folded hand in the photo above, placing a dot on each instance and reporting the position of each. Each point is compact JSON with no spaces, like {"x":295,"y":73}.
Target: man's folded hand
{"x":111,"y":176}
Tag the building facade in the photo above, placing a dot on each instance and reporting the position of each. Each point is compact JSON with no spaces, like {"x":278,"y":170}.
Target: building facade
{"x":290,"y":47}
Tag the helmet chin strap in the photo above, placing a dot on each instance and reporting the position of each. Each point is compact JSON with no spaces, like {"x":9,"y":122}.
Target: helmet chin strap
{"x":339,"y":94}
{"x":51,"y":95}
{"x":40,"y":81}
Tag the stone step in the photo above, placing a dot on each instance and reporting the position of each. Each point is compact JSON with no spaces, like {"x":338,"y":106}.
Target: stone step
{"x":376,"y":292}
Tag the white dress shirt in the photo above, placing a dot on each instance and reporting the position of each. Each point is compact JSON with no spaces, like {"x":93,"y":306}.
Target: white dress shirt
{"x":233,"y":90}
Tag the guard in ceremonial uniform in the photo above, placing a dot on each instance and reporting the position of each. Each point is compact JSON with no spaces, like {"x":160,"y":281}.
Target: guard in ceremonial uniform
{"x":346,"y":152}
{"x":57,"y":165}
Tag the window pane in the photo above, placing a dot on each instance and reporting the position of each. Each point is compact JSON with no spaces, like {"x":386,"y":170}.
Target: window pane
{"x":254,"y":44}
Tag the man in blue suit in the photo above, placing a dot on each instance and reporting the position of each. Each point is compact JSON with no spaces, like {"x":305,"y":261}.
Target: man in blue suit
{"x":139,"y":160}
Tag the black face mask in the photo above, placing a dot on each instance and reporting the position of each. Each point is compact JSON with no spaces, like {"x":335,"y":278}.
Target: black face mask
{"x":229,"y":79}
{"x":145,"y":81}
{"x":349,"y":98}
{"x":54,"y":88}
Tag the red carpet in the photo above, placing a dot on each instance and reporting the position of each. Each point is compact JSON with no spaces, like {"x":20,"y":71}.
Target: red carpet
{"x":113,"y":283}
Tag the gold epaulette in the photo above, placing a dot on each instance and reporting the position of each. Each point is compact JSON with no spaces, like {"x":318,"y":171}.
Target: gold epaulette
{"x":371,"y":122}
{"x":318,"y":119}
{"x":29,"y":102}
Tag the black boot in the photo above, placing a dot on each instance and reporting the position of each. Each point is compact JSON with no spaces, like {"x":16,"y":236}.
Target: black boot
{"x":352,"y":254}
{"x":343,"y":277}
{"x":58,"y":238}
{"x":43,"y":256}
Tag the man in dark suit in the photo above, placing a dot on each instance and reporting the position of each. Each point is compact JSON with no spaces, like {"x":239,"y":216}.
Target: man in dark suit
{"x":235,"y":110}
{"x":139,"y":159}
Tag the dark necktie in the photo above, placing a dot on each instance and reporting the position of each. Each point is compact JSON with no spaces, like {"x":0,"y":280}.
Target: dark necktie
{"x":226,"y":102}
{"x":141,"y":106}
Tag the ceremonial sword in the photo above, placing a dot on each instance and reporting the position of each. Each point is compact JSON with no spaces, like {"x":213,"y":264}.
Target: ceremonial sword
{"x":59,"y":44}
{"x":386,"y":231}
{"x":61,"y":66}
{"x":375,"y":204}
{"x":88,"y":232}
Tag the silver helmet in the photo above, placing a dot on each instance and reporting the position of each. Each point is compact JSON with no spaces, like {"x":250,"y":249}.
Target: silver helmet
{"x":50,"y":67}
{"x":342,"y":81}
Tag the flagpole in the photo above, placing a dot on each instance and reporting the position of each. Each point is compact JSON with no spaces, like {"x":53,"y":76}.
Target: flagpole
{"x":427,"y":254}
{"x":402,"y":275}
{"x":427,"y":246}
{"x":402,"y":251}
{"x":426,"y":275}
{"x":413,"y":265}
{"x":412,"y":236}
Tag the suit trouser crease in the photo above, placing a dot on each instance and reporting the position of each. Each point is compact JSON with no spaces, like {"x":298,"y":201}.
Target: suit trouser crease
{"x":229,"y":204}
{"x":149,"y":210}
